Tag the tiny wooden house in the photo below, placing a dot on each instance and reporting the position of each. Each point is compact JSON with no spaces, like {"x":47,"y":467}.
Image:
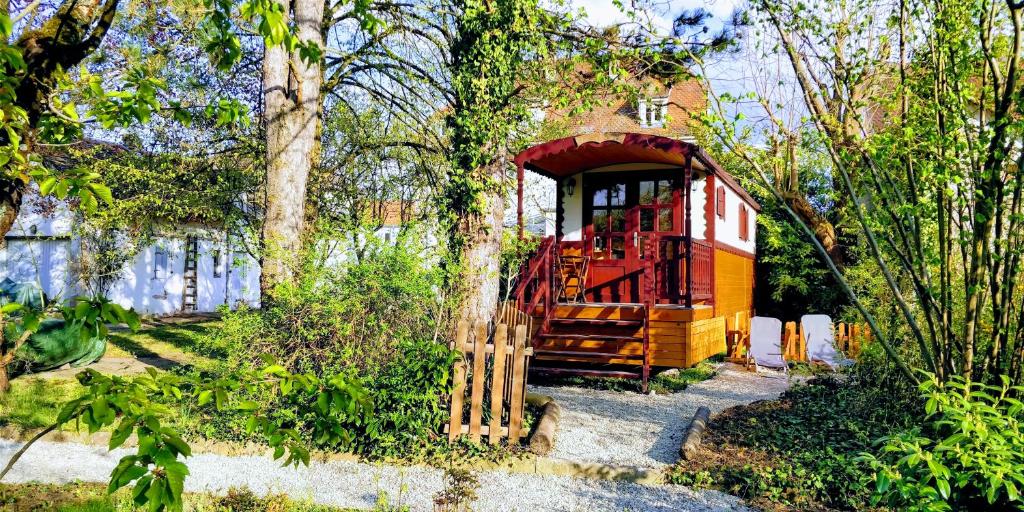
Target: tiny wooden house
{"x":652,"y":258}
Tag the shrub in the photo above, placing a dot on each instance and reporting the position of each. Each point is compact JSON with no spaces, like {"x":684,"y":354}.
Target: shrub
{"x":347,"y":316}
{"x":372,"y":318}
{"x":968,"y":456}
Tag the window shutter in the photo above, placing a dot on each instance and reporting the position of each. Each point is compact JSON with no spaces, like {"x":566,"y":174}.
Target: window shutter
{"x":744,"y":223}
{"x":721,"y":202}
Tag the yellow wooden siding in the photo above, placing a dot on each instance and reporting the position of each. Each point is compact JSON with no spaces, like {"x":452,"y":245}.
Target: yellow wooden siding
{"x":734,"y":284}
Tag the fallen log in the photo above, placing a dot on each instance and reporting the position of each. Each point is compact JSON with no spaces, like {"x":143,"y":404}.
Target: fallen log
{"x":691,"y":441}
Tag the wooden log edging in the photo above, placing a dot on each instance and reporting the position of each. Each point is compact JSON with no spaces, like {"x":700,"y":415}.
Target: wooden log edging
{"x":691,"y":441}
{"x":543,"y":438}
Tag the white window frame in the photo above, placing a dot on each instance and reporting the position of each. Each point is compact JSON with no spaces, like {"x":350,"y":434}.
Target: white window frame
{"x":652,"y":112}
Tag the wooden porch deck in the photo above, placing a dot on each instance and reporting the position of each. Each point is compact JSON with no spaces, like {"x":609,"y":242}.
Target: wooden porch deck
{"x":613,"y":334}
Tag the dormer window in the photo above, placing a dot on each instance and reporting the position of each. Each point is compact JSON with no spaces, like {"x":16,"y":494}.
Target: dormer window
{"x":652,"y":112}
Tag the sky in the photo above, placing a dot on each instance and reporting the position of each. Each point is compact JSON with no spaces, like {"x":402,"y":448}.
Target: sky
{"x":604,"y":12}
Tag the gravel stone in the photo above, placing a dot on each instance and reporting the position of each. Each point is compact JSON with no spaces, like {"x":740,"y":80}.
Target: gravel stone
{"x":358,"y":485}
{"x":620,"y":428}
{"x":632,"y":429}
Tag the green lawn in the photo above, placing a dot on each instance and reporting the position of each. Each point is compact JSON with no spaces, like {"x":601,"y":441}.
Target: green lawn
{"x":33,"y":402}
{"x":176,"y":343}
{"x":82,"y":497}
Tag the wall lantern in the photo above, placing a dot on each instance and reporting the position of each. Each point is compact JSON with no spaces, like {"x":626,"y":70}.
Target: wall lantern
{"x":570,"y":186}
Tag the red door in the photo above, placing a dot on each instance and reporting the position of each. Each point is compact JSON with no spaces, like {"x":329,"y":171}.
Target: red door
{"x":620,"y":213}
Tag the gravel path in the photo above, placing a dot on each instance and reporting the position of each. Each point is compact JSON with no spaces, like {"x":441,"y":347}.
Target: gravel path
{"x":628,"y":428}
{"x":350,"y":484}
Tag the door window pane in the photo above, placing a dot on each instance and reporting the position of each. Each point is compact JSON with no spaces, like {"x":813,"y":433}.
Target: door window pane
{"x":664,"y":219}
{"x":618,"y":251}
{"x":647,"y":192}
{"x":646,"y":219}
{"x":600,"y":248}
{"x":618,"y":195}
{"x":600,"y":220}
{"x":665,"y":192}
{"x":601,"y":197}
{"x":618,"y":217}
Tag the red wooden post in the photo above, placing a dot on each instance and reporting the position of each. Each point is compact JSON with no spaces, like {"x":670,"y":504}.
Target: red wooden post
{"x":519,"y":197}
{"x":649,"y":302}
{"x":688,"y":227}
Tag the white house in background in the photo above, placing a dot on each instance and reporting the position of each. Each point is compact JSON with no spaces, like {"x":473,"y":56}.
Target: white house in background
{"x":188,"y":268}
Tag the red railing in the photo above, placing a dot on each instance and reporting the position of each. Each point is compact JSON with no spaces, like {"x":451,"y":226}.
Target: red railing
{"x":681,"y":279}
{"x":536,"y":282}
{"x":537,"y":287}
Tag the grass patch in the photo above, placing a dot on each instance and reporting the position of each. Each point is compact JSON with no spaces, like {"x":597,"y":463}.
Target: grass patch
{"x":798,"y":452}
{"x":180,"y":343}
{"x":666,"y":382}
{"x":33,"y":402}
{"x":85,"y":497}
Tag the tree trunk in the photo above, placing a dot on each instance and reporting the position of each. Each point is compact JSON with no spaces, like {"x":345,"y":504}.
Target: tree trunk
{"x":481,"y":256}
{"x":823,"y":230}
{"x":74,"y":31}
{"x":11,"y":192}
{"x":291,"y":89}
{"x":5,"y":379}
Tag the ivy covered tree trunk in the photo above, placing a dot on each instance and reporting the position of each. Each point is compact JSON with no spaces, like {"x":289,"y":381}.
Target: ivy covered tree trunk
{"x":291,"y":89}
{"x":479,"y":236}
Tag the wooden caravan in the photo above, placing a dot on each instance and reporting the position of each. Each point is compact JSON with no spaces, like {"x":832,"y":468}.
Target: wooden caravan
{"x":662,"y":239}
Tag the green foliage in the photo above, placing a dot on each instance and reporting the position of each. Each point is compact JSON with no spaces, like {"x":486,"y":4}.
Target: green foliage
{"x":347,"y":316}
{"x":801,"y":451}
{"x":375,"y":317}
{"x":411,"y":395}
{"x":136,"y":406}
{"x":85,"y":497}
{"x":969,"y":455}
{"x":93,"y":315}
{"x":514,"y":253}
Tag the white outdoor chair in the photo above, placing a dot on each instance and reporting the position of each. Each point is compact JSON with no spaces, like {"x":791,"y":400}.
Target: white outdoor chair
{"x":766,"y":343}
{"x":821,"y":341}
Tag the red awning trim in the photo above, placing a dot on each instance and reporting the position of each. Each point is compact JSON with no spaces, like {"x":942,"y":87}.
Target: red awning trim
{"x":568,"y":156}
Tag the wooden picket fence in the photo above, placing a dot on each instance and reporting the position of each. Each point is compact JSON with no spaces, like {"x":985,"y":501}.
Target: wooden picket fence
{"x":493,"y":369}
{"x":849,"y":339}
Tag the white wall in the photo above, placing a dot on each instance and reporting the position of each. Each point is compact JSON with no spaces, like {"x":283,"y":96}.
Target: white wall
{"x":728,"y":230}
{"x":697,"y":202}
{"x":41,"y":261}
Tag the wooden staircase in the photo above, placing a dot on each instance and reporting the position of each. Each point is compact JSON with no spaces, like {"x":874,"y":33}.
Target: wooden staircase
{"x":594,"y":347}
{"x":189,"y":298}
{"x":566,"y":343}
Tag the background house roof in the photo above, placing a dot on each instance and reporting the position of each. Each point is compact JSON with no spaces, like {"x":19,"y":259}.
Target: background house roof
{"x":620,"y":114}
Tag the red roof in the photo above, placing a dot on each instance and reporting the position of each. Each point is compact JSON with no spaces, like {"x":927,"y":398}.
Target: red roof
{"x":565,"y":157}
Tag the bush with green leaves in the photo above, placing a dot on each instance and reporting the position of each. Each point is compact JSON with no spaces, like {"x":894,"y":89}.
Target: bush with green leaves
{"x":347,"y":316}
{"x":375,"y":316}
{"x":969,"y":455}
{"x":136,"y":405}
{"x":799,"y":451}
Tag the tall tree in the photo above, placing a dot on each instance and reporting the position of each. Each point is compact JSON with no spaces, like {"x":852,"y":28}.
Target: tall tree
{"x":291,"y":112}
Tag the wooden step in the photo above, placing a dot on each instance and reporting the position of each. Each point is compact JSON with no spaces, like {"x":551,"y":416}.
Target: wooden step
{"x":555,"y":354}
{"x":588,"y":336}
{"x":586,"y":372}
{"x":596,"y":322}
